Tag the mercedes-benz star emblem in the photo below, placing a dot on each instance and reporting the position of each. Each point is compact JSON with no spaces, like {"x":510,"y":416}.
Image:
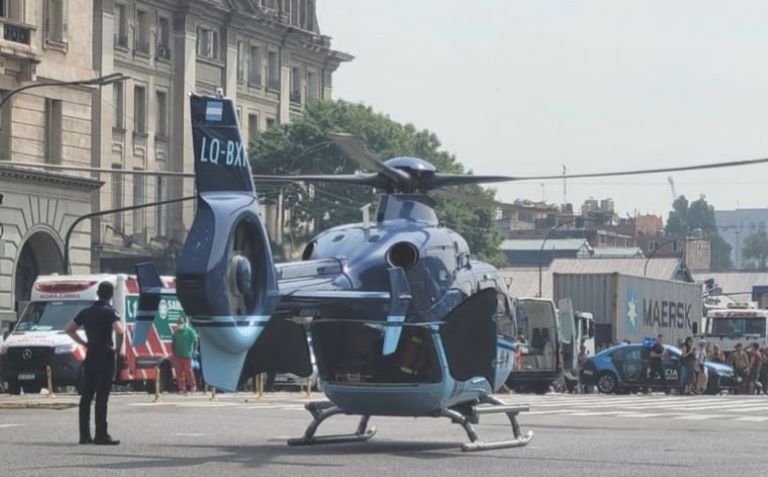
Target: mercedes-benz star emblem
{"x":26,"y":354}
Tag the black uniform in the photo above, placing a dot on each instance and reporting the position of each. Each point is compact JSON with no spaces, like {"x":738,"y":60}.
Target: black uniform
{"x":99,"y":365}
{"x":656,"y":368}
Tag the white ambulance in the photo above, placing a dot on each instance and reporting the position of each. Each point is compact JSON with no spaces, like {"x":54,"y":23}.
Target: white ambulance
{"x":38,"y":340}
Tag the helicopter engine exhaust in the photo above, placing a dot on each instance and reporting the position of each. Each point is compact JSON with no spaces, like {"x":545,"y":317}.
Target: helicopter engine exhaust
{"x":226,"y":276}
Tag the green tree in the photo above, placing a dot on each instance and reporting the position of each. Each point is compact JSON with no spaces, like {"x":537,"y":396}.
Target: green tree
{"x":301,"y":147}
{"x":756,"y":248}
{"x":686,"y":217}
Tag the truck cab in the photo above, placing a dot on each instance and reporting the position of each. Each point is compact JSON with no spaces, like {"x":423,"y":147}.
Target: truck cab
{"x":738,"y":323}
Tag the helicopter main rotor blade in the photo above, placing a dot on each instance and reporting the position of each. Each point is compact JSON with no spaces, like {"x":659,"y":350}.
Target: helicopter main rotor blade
{"x":447,"y":180}
{"x":371,"y":180}
{"x":356,"y":150}
{"x":469,"y":199}
{"x":712,"y":165}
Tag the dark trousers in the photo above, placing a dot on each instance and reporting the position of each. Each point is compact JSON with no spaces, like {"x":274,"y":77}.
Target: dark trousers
{"x":97,"y":380}
{"x":656,"y":369}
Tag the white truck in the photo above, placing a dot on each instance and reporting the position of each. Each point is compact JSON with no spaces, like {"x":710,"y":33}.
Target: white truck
{"x":38,"y":342}
{"x":737,"y":323}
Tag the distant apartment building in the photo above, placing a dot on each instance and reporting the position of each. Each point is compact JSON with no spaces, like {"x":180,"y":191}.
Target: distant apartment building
{"x":268,"y":55}
{"x":43,"y":41}
{"x":735,"y":225}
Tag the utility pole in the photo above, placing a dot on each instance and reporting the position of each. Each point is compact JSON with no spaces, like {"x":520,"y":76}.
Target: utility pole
{"x":565,"y":190}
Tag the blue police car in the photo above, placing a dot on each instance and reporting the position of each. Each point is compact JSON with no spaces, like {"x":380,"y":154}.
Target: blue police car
{"x":626,"y":367}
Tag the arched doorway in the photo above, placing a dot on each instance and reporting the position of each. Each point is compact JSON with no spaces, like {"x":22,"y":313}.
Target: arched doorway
{"x":40,"y":255}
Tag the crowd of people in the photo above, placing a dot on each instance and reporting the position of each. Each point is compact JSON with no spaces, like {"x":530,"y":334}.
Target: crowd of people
{"x":748,"y":363}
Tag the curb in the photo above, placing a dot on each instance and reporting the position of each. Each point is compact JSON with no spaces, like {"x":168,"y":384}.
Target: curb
{"x":56,"y":406}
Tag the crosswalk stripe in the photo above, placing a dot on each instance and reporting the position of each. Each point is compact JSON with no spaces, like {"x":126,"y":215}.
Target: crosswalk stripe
{"x":752,"y":419}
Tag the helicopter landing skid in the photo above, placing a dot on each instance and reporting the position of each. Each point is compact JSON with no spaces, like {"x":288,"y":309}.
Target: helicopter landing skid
{"x":496,"y":406}
{"x":320,"y":412}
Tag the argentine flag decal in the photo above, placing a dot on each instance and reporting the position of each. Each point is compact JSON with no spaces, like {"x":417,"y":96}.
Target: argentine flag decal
{"x":214,"y":110}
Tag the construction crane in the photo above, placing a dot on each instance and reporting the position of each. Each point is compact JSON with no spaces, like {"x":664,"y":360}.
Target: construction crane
{"x":672,"y":186}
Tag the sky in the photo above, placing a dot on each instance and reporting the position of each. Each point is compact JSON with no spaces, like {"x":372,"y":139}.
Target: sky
{"x":524,"y":87}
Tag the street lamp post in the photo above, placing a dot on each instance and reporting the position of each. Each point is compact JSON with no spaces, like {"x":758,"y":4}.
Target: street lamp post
{"x":546,"y":237}
{"x":100,"y":81}
{"x":650,"y":255}
{"x":107,"y":212}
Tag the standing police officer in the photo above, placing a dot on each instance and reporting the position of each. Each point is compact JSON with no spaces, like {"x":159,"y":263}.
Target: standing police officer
{"x":99,"y":321}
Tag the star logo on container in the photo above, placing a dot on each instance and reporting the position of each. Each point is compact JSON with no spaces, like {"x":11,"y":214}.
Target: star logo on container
{"x":632,"y":309}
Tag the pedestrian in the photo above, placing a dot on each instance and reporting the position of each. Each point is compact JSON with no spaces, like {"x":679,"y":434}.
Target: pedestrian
{"x":716,"y":355}
{"x":99,"y":320}
{"x":739,"y":360}
{"x":689,"y":363}
{"x":755,"y":364}
{"x":655,"y":363}
{"x":184,"y":341}
{"x":702,"y":377}
{"x":581,"y":359}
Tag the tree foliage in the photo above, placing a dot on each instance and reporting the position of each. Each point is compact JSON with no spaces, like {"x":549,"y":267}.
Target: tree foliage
{"x":685,"y":218}
{"x":756,"y":248}
{"x":301,"y":147}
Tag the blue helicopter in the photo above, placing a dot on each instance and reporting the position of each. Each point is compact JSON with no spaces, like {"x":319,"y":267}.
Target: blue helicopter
{"x":404,"y":321}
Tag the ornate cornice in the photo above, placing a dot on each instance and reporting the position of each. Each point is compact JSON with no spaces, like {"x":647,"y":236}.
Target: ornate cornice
{"x":9,"y":171}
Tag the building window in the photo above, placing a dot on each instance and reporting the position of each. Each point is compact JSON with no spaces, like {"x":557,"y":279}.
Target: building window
{"x":240,"y":61}
{"x":296,"y":84}
{"x":117,"y":105}
{"x":312,"y":86}
{"x":138,"y":199}
{"x":295,"y":13}
{"x":142,"y":32}
{"x":310,"y":15}
{"x":56,"y":21}
{"x":139,"y":109}
{"x":121,"y":26}
{"x":270,"y":4}
{"x":164,"y":38}
{"x":271,"y":122}
{"x":653,"y":245}
{"x":117,"y":196}
{"x":5,"y":129}
{"x":160,"y":224}
{"x":254,"y":72}
{"x":12,"y":9}
{"x":207,"y":43}
{"x":52,"y":131}
{"x":273,"y":70}
{"x":253,"y":127}
{"x":162,"y":114}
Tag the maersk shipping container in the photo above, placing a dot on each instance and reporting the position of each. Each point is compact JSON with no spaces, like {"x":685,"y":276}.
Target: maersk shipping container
{"x":628,"y":307}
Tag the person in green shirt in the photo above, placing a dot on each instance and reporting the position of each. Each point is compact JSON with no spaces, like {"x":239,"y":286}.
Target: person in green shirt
{"x":184,"y":342}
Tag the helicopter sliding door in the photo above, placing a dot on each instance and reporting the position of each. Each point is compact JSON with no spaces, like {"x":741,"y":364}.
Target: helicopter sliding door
{"x":350,"y":353}
{"x":469,"y":337}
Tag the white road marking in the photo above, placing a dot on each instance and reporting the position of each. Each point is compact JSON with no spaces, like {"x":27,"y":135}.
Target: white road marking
{"x":6,"y":426}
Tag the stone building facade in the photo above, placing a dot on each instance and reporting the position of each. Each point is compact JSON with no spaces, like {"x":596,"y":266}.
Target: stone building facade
{"x":42,"y":41}
{"x":268,"y":55}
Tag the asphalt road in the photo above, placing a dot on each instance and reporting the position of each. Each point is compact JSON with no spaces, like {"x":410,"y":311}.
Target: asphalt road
{"x":240,"y":435}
